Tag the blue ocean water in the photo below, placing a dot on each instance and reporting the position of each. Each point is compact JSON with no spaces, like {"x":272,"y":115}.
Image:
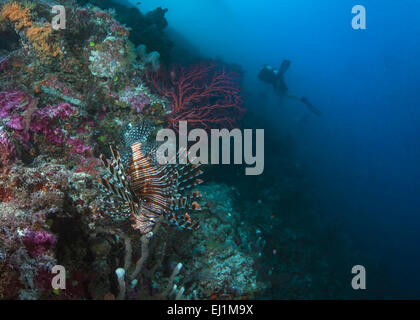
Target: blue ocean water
{"x":362,"y":156}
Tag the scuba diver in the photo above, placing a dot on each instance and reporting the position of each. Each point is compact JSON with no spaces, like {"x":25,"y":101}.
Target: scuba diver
{"x":275,"y":77}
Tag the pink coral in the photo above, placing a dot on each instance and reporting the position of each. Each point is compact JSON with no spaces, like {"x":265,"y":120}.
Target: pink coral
{"x":139,"y":102}
{"x":61,"y":111}
{"x":19,"y":110}
{"x":78,"y":146}
{"x":43,"y":121}
{"x":12,"y":100}
{"x":37,"y":242}
{"x":138,"y":99}
{"x":16,"y":122}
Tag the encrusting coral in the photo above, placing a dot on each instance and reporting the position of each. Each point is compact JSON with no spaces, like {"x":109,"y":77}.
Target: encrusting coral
{"x":16,"y":14}
{"x":39,"y":36}
{"x":64,"y":98}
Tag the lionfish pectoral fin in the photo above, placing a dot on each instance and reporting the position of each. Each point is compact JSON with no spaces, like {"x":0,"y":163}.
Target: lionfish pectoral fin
{"x":117,"y":182}
{"x":191,"y":184}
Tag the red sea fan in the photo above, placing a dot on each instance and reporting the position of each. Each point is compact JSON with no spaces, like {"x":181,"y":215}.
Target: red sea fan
{"x":203,"y":95}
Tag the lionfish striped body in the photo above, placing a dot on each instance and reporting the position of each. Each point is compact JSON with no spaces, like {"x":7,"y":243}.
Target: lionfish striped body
{"x":149,"y":191}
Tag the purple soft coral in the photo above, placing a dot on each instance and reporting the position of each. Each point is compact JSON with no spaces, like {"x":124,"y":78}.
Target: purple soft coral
{"x":12,"y":100}
{"x":138,"y":99}
{"x":139,"y":102}
{"x":37,"y":242}
{"x":43,"y":119}
{"x":16,"y":122}
{"x":20,"y":114}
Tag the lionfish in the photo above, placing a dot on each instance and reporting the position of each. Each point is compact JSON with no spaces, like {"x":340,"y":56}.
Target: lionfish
{"x":146,"y":190}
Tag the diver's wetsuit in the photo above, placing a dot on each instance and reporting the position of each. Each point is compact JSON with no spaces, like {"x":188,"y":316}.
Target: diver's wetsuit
{"x":276,"y":79}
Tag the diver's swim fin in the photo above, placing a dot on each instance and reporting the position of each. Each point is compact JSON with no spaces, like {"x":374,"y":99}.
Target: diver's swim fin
{"x":283,"y":68}
{"x":279,"y":84}
{"x":311,"y":107}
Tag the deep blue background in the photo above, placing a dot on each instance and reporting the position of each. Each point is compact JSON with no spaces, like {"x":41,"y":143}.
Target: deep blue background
{"x":363,"y":154}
